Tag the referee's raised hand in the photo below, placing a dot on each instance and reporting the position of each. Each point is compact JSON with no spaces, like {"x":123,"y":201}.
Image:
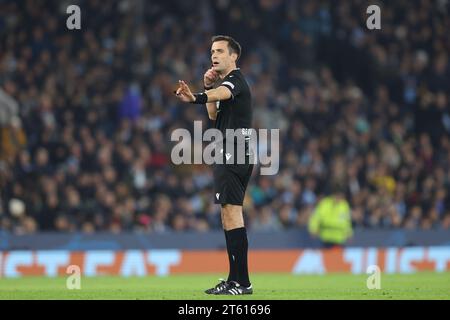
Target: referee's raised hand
{"x":210,"y":77}
{"x":183,"y":92}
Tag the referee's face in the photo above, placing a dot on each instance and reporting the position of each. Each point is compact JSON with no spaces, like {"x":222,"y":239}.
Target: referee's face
{"x":221,"y":57}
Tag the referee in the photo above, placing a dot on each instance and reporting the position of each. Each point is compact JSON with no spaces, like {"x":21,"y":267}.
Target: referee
{"x":228,"y":101}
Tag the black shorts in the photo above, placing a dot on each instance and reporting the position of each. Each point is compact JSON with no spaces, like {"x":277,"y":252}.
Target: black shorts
{"x":230,"y":183}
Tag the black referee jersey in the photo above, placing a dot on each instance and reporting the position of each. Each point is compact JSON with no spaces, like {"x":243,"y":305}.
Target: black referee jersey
{"x":235,"y":113}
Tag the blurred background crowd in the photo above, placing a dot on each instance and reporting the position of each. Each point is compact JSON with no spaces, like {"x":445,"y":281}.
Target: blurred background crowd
{"x":86,"y":115}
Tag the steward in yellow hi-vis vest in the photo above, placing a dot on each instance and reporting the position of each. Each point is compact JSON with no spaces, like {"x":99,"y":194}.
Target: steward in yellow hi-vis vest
{"x":331,"y":220}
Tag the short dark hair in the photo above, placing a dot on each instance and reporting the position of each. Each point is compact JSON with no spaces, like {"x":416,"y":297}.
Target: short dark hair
{"x":337,"y":188}
{"x":233,"y":45}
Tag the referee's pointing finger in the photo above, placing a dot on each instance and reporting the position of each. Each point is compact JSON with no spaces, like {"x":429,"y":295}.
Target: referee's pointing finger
{"x":184,"y":85}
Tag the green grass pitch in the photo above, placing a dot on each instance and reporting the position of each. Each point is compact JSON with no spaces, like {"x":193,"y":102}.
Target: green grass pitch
{"x":266,"y":286}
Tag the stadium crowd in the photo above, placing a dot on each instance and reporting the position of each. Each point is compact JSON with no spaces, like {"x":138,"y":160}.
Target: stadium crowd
{"x":86,"y":115}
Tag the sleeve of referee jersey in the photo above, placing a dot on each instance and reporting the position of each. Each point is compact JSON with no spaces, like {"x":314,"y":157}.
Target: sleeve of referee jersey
{"x":233,"y":84}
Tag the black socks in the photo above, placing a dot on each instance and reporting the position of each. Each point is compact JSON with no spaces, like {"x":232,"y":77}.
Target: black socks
{"x":232,"y":275}
{"x":237,"y":248}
